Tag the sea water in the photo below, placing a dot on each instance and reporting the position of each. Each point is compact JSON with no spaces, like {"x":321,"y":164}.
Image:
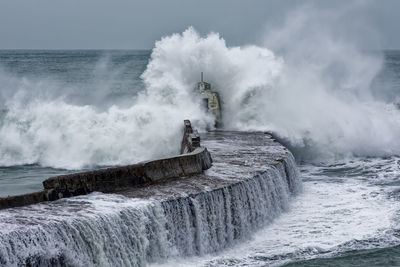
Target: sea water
{"x":64,"y":111}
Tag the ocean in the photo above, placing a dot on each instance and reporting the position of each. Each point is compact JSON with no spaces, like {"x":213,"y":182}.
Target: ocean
{"x":95,"y":79}
{"x":67,"y":111}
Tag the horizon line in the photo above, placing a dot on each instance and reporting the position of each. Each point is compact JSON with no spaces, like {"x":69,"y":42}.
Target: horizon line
{"x":121,"y":49}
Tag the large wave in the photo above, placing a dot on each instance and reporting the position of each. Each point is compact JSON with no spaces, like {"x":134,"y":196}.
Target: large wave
{"x":315,"y":94}
{"x":39,"y":127}
{"x":318,"y":99}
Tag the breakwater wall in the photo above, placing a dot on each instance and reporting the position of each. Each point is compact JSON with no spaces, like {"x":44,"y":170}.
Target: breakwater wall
{"x":194,"y":160}
{"x":250,"y":184}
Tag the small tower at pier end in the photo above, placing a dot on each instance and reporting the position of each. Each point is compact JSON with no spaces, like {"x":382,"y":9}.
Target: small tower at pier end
{"x":210,"y":100}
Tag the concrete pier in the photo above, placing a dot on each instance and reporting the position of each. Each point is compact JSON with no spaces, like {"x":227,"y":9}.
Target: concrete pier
{"x":194,"y":159}
{"x":237,"y":157}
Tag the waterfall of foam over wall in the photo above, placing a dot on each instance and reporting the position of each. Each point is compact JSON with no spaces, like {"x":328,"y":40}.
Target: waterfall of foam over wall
{"x":110,"y":230}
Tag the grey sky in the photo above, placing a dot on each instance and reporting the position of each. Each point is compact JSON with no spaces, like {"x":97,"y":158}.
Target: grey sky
{"x":123,"y":24}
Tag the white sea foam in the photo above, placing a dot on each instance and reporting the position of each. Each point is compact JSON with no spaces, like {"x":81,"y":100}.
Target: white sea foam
{"x":316,"y":95}
{"x":112,"y":230}
{"x":38,"y":128}
{"x":333,"y":214}
{"x":311,"y":97}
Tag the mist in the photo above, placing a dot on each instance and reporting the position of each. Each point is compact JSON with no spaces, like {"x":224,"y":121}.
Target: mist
{"x":309,"y":83}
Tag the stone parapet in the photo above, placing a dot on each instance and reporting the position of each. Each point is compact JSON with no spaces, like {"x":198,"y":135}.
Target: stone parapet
{"x":191,"y":138}
{"x":114,"y":179}
{"x":118,"y":178}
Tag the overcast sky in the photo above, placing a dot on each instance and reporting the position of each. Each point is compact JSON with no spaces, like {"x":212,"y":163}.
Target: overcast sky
{"x":134,"y":24}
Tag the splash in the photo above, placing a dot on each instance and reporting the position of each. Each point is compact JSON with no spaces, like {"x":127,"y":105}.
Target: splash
{"x":37,"y":126}
{"x":317,"y":95}
{"x":314,"y":93}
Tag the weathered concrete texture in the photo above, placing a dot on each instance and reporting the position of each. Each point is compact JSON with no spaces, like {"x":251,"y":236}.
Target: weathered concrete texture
{"x":23,"y":200}
{"x":115,"y":179}
{"x":237,"y":157}
{"x":191,"y":138}
{"x":198,"y":214}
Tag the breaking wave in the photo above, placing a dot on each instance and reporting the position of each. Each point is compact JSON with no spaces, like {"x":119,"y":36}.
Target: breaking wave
{"x":315,"y":94}
{"x":318,"y":101}
{"x":41,"y":128}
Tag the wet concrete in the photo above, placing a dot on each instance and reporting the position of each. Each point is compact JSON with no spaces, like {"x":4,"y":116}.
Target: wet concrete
{"x":237,"y":156}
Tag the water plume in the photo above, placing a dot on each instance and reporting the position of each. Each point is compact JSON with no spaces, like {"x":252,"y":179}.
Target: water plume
{"x":44,"y":122}
{"x":314,"y":92}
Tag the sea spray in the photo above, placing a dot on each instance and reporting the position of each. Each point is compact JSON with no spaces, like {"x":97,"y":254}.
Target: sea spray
{"x":317,"y":101}
{"x":38,"y":128}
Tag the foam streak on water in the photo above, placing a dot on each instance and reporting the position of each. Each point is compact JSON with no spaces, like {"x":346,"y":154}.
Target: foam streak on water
{"x":347,"y":207}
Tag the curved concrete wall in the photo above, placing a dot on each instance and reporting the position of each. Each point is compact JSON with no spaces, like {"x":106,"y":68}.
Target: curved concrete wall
{"x":114,"y":179}
{"x":251,"y":183}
